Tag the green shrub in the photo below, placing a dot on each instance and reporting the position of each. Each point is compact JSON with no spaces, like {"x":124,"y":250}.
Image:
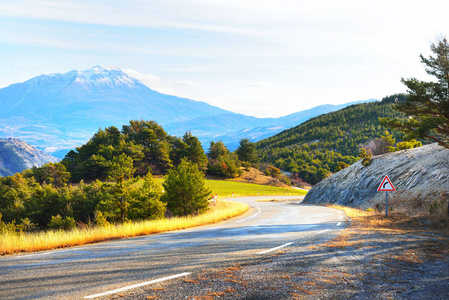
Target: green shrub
{"x":100,"y":219}
{"x":58,"y":222}
{"x":436,"y":206}
{"x":366,"y":157}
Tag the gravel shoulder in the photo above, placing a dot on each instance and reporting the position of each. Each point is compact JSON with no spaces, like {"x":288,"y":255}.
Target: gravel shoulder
{"x":362,"y":262}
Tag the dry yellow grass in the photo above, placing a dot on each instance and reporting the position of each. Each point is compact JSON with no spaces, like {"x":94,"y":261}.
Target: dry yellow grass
{"x":30,"y":242}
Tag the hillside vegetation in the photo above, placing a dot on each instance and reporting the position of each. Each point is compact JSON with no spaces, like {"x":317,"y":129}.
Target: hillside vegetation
{"x":325,"y":144}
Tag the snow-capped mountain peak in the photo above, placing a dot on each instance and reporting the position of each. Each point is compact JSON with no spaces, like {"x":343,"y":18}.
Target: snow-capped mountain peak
{"x":62,"y":111}
{"x":101,"y":76}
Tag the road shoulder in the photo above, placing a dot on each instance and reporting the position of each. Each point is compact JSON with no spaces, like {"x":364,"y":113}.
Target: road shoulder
{"x":362,"y":262}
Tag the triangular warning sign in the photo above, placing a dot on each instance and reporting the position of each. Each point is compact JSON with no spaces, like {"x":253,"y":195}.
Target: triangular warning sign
{"x":386,"y":185}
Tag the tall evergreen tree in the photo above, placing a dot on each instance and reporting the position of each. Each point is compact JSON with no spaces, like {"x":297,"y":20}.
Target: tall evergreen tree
{"x":247,"y":152}
{"x":195,"y":152}
{"x":427,"y":104}
{"x":185,"y":190}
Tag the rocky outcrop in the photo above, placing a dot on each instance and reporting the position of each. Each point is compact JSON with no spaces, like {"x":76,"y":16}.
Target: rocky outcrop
{"x":420,"y":176}
{"x":16,"y":156}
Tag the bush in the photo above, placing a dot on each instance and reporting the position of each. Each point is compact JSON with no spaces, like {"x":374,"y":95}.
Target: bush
{"x":341,"y":165}
{"x":272,"y":171}
{"x":58,"y":222}
{"x":436,"y":207}
{"x":366,"y":157}
{"x":246,"y":165}
{"x":100,"y":219}
{"x":408,"y":145}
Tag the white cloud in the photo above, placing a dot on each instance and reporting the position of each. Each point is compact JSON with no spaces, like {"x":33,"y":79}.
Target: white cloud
{"x":258,"y":57}
{"x":184,"y":84}
{"x":178,"y":88}
{"x":255,"y":84}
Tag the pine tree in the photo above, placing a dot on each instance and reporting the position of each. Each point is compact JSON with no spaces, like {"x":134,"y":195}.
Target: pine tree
{"x":247,"y":152}
{"x":185,"y":190}
{"x":427,"y":104}
{"x":195,"y":152}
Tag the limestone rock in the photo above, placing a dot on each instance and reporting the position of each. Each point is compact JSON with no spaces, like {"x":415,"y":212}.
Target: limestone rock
{"x":420,"y":176}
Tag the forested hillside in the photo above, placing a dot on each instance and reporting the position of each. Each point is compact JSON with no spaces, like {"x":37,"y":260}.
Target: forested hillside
{"x":330,"y":142}
{"x":144,"y":145}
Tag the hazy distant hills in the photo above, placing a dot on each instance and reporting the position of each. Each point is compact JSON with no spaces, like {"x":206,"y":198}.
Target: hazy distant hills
{"x":58,"y":112}
{"x":16,"y":156}
{"x":274,"y":126}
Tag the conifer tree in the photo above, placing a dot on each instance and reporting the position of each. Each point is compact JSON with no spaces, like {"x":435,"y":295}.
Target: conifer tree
{"x":427,"y":104}
{"x":247,"y":152}
{"x":185,"y":190}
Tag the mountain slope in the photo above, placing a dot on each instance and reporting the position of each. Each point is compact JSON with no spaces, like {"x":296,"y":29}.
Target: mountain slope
{"x":16,"y":156}
{"x":316,"y":147}
{"x":100,"y":93}
{"x":271,"y":127}
{"x":64,"y":110}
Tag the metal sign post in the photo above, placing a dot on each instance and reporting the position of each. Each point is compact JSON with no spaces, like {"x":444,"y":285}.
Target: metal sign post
{"x":386,"y":204}
{"x":386,"y":186}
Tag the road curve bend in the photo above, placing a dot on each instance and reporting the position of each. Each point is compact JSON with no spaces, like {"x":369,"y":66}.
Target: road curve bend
{"x":98,"y":270}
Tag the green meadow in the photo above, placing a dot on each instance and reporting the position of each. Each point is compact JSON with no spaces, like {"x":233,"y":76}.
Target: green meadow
{"x":227,"y":189}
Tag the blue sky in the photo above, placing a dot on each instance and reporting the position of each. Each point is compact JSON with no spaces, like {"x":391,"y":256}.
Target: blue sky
{"x":261,"y":58}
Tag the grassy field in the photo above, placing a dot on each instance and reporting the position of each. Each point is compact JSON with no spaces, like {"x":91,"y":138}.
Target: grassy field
{"x":228,"y":189}
{"x":225,"y":189}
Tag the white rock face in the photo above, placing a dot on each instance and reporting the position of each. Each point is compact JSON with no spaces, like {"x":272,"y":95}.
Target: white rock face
{"x":420,"y":176}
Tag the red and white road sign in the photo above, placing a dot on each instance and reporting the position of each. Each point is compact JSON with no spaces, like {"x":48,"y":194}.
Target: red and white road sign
{"x":386,"y":185}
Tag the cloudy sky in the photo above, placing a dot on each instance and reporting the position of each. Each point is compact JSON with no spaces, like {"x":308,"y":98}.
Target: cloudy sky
{"x":261,"y":58}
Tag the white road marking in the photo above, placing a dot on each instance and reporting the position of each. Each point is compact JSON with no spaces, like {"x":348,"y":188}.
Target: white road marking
{"x":137,"y":285}
{"x":274,"y":249}
{"x":339,"y":223}
{"x":341,"y":217}
{"x":322,"y":231}
{"x":250,"y":217}
{"x":25,"y":256}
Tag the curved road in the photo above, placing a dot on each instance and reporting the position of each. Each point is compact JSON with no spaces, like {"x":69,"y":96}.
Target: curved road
{"x":93,"y":271}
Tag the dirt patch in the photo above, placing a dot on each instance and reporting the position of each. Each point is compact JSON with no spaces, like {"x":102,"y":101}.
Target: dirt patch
{"x":373,"y":258}
{"x":252,"y":176}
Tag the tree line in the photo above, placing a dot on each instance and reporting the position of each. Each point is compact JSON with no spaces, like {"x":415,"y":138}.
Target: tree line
{"x":110,"y":179}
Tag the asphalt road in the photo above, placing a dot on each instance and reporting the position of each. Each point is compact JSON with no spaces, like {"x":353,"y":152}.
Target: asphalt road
{"x":95,"y":270}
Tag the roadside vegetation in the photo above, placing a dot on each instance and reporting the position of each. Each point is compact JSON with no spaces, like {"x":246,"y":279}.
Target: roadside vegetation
{"x":13,"y":241}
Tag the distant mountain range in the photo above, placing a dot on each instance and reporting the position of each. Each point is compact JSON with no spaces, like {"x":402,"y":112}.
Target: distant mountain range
{"x":57,"y":112}
{"x":16,"y":156}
